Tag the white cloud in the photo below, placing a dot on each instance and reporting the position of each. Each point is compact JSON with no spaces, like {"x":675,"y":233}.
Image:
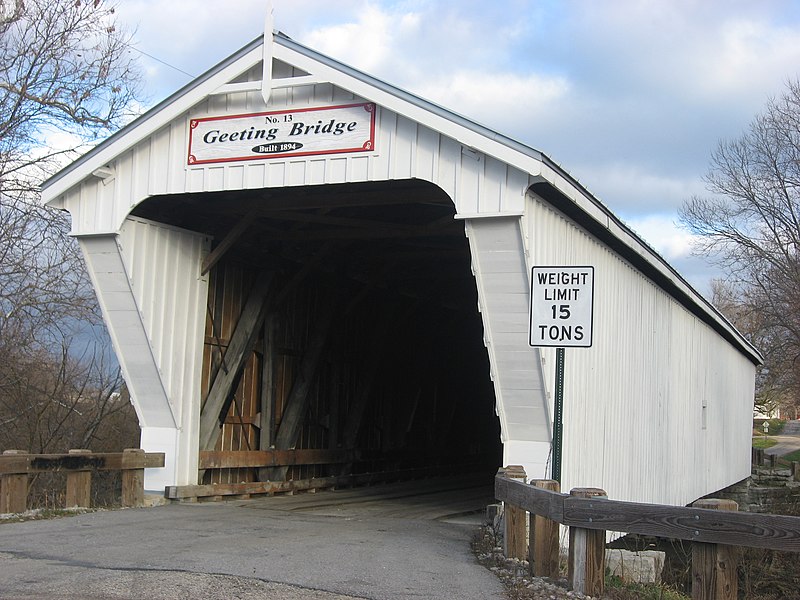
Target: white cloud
{"x":664,"y":234}
{"x":188,"y":35}
{"x":368,"y":43}
{"x":497,"y":98}
{"x":676,"y":245}
{"x":751,"y":54}
{"x":633,"y":190}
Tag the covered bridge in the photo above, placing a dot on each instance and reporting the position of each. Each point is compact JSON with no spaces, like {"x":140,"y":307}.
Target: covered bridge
{"x":343,"y":272}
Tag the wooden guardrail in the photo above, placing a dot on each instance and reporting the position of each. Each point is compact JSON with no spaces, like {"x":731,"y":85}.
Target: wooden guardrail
{"x":17,"y":465}
{"x":371,"y":471}
{"x":713,"y":527}
{"x":272,"y":458}
{"x":217,"y":491}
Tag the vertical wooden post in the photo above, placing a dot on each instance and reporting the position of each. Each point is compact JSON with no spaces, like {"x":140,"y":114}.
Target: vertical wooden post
{"x":714,"y":565}
{"x":543,"y":546}
{"x":587,"y":552}
{"x":14,"y":489}
{"x":267,"y":398}
{"x":796,"y":470}
{"x":79,"y":485}
{"x":132,"y":480}
{"x":515,"y":539}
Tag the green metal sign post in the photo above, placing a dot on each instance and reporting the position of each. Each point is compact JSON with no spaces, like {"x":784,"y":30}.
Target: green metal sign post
{"x":562,"y":314}
{"x":558,"y":415}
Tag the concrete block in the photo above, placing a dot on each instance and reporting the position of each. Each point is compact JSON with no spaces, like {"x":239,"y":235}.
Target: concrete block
{"x":635,"y":567}
{"x":494,"y":515}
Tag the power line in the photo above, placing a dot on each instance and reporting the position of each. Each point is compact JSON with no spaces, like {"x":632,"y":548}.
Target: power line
{"x":163,"y":62}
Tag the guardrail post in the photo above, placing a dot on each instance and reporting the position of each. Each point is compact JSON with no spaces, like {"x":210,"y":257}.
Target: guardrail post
{"x":796,"y":470}
{"x":714,"y":565}
{"x":132,"y":480}
{"x":543,"y":547}
{"x":587,"y":552}
{"x":515,"y":540}
{"x":79,"y":485}
{"x":14,"y":489}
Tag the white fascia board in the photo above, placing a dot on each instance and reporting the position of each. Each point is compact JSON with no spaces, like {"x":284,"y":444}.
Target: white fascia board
{"x":404,"y":103}
{"x":148,"y":124}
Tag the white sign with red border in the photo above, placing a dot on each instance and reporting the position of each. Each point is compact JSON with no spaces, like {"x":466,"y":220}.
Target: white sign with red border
{"x":282,"y":134}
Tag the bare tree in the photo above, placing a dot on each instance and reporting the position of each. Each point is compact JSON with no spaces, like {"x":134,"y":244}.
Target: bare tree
{"x":776,"y":379}
{"x":64,"y":67}
{"x":51,"y":402}
{"x":67,"y":79}
{"x":750,"y":225}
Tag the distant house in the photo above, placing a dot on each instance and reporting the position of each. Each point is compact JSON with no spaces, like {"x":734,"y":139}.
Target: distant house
{"x":347,"y":269}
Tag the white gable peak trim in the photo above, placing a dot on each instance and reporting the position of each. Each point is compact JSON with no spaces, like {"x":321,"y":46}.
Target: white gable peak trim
{"x":171,"y":108}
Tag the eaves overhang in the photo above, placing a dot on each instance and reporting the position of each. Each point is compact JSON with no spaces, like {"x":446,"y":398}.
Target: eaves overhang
{"x":614,"y":233}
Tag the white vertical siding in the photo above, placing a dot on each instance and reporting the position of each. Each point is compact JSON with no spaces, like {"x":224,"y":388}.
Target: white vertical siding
{"x":162,"y":265}
{"x":633,"y":402}
{"x":479,"y":185}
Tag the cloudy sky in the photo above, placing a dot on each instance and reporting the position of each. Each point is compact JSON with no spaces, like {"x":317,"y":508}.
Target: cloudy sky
{"x":629,"y":96}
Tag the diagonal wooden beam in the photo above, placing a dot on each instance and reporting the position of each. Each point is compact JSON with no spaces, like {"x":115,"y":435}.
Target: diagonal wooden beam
{"x":297,"y":402}
{"x":241,"y":343}
{"x":229,"y":240}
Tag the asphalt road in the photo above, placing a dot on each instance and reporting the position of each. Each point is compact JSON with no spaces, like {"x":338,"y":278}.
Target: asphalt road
{"x":316,"y":547}
{"x":788,"y":440}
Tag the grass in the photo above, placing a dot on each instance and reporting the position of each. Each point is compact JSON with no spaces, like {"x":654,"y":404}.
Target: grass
{"x":39,"y":514}
{"x":763,"y":443}
{"x":792,"y":456}
{"x":619,"y":590}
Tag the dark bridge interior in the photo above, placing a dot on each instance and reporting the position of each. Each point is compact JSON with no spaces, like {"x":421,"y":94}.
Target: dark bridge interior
{"x":343,"y":320}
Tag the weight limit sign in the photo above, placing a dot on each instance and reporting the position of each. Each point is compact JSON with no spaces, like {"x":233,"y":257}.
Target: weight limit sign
{"x":562,"y":300}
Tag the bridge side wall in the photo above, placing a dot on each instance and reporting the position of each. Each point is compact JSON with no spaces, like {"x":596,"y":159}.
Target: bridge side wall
{"x":659,"y":408}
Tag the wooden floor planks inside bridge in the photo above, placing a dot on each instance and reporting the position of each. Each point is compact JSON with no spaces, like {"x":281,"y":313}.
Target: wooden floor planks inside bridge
{"x":441,"y":499}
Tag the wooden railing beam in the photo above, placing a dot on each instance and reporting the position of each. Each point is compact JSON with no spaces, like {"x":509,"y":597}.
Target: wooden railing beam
{"x":237,"y":459}
{"x":15,"y":466}
{"x":776,"y":532}
{"x":21,"y":462}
